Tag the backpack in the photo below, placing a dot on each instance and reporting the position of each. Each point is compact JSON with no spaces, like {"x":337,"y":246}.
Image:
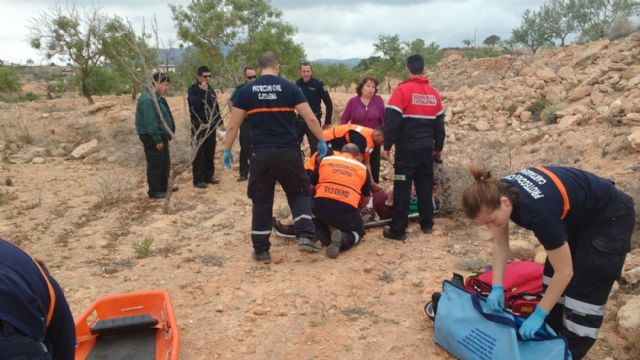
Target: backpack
{"x":522,"y":287}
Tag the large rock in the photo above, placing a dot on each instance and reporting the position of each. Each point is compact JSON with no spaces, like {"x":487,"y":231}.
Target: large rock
{"x":629,"y":320}
{"x":566,"y":73}
{"x":580,"y":92}
{"x":482,"y":125}
{"x":37,"y":152}
{"x":569,"y":121}
{"x":547,"y":74}
{"x":85,"y":149}
{"x":631,"y":72}
{"x":632,"y":118}
{"x":521,"y":249}
{"x":634,"y":139}
{"x":597,"y":75}
{"x":100,"y":106}
{"x":633,"y":83}
{"x":615,"y":108}
{"x":589,"y":56}
{"x":526,"y":116}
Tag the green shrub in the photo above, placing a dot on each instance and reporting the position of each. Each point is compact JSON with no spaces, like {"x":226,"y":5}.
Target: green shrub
{"x":537,"y":107}
{"x":142,"y":248}
{"x":548,"y":114}
{"x":28,"y":97}
{"x":104,"y":81}
{"x":9,"y":80}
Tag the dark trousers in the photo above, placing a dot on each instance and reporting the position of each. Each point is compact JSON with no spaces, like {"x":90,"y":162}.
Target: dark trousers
{"x":203,"y":168}
{"x":158,"y":165}
{"x":14,"y":345}
{"x":344,"y":217}
{"x":284,"y":166}
{"x":303,"y":130}
{"x":412,"y":167}
{"x":374,"y":161}
{"x":245,"y":148}
{"x":580,"y":312}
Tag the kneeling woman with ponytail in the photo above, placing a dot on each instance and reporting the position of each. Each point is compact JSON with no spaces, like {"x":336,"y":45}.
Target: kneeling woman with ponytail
{"x":585,"y":225}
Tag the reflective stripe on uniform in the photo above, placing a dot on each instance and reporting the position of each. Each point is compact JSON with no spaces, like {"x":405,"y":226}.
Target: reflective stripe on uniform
{"x":394,"y":108}
{"x":580,"y":330}
{"x":546,"y":280}
{"x":356,"y":236}
{"x":583,"y":307}
{"x":260,"y":232}
{"x":303,"y":216}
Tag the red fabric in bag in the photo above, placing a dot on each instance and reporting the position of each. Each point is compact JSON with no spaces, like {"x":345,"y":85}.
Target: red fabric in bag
{"x":522,"y":285}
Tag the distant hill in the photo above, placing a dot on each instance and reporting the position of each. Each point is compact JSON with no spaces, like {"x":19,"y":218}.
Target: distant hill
{"x":176,"y":55}
{"x":351,"y":63}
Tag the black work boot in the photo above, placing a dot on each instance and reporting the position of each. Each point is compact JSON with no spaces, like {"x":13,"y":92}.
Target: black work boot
{"x":262,"y":257}
{"x":390,"y":234}
{"x":307,"y":245}
{"x":336,"y":243}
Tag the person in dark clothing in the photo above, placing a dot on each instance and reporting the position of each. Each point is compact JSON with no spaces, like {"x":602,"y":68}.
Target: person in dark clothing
{"x":205,"y":117}
{"x":35,"y":319}
{"x":584,"y":224}
{"x":342,"y":187}
{"x":154,"y":136}
{"x":414,"y":124}
{"x":269,"y":104}
{"x":315,"y":93}
{"x":245,"y":129}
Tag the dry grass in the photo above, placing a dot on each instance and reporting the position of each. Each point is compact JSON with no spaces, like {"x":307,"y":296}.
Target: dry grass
{"x":112,"y":189}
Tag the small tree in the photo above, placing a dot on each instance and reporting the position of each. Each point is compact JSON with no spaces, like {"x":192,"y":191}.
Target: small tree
{"x":66,"y":33}
{"x":533,"y":32}
{"x":391,"y":64}
{"x":136,"y":44}
{"x":594,"y":18}
{"x":467,"y":43}
{"x":492,"y":40}
{"x":30,"y":62}
{"x":9,"y":80}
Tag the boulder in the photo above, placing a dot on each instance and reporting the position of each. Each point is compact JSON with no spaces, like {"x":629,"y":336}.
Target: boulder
{"x":629,"y":320}
{"x":37,"y":152}
{"x":566,"y":73}
{"x":591,"y":54}
{"x":100,"y":106}
{"x":615,"y":108}
{"x":580,"y":92}
{"x":547,"y":74}
{"x":597,"y":75}
{"x":632,"y":276}
{"x":38,"y":160}
{"x":521,"y":249}
{"x":634,"y":139}
{"x":526,"y":116}
{"x":58,"y":152}
{"x":568,"y":121}
{"x":631,"y":118}
{"x":631,"y":104}
{"x":633,"y":83}
{"x":631,"y":72}
{"x":85,"y":149}
{"x":482,"y":125}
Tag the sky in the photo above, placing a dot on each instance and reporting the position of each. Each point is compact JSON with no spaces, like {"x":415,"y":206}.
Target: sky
{"x":337,"y":29}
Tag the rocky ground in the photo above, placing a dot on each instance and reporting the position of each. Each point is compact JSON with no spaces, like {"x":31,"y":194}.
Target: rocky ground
{"x":72,"y":192}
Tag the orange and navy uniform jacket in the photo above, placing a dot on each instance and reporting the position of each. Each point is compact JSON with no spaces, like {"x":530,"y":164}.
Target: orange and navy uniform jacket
{"x":414,"y":117}
{"x":33,"y":302}
{"x":358,"y":135}
{"x":555,"y":202}
{"x":269,"y":102}
{"x":311,"y":164}
{"x":341,"y":178}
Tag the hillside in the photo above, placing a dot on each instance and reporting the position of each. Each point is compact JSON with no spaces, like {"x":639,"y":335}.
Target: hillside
{"x":82,"y":214}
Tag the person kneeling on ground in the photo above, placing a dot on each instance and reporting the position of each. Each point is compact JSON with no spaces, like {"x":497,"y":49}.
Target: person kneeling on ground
{"x":585,"y":225}
{"x":342,"y":186}
{"x":35,"y":319}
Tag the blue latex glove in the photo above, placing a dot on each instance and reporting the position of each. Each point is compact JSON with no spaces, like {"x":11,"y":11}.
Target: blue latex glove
{"x":495,"y":301}
{"x":228,"y":158}
{"x":533,"y":323}
{"x":322,"y":149}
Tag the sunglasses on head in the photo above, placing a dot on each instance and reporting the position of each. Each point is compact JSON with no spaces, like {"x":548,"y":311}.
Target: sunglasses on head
{"x":251,"y":77}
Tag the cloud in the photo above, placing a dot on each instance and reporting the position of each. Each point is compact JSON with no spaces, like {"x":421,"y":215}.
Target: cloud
{"x":327,"y":29}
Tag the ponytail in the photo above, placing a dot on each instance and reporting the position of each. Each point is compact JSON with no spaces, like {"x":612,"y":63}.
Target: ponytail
{"x":484,"y":191}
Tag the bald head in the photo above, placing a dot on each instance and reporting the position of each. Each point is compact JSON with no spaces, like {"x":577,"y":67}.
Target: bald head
{"x":353,"y":150}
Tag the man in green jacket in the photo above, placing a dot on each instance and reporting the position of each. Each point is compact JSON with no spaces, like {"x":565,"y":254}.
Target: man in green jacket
{"x":155,"y":137}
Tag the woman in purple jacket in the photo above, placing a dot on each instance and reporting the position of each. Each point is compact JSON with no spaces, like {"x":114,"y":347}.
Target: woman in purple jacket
{"x":367,"y":109}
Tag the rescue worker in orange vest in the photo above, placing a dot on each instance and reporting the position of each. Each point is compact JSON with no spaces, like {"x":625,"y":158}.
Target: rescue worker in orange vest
{"x":342,"y":186}
{"x":366,"y":139}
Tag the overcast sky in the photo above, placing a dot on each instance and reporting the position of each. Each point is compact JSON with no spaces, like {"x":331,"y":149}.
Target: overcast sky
{"x":336,"y":29}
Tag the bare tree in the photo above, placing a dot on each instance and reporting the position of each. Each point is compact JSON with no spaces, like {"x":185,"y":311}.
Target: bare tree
{"x":143,"y":75}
